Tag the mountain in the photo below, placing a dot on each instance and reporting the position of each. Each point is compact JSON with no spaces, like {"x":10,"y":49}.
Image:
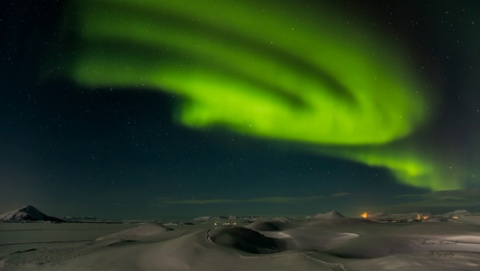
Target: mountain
{"x":329,"y":215}
{"x":27,"y":213}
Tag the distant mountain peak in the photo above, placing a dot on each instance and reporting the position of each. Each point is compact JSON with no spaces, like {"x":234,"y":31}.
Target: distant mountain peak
{"x":27,"y":213}
{"x":331,"y":214}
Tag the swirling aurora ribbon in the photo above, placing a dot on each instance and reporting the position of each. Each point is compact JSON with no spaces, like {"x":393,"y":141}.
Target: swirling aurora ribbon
{"x":270,"y":69}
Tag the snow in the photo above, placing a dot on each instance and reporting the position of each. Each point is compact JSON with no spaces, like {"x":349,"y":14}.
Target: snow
{"x":320,"y":244}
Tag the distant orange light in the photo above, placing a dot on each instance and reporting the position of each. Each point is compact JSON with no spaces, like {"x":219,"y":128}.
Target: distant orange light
{"x":419,"y":217}
{"x":425,"y":217}
{"x":364,"y":215}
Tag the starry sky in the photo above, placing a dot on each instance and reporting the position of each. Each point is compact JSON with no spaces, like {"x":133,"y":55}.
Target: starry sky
{"x":294,"y":109}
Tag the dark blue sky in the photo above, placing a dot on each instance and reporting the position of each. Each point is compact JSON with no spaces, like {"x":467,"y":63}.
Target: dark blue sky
{"x":116,"y":153}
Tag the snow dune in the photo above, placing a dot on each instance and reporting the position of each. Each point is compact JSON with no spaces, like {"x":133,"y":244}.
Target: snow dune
{"x":280,"y":244}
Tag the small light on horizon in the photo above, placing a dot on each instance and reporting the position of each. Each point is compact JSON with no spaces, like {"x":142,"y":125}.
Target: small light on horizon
{"x":364,"y":215}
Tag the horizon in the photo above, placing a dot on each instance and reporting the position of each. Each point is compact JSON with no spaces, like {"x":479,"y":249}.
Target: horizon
{"x":227,"y":215}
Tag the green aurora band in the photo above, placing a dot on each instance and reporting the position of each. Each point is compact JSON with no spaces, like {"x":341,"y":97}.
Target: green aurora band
{"x":267,"y":69}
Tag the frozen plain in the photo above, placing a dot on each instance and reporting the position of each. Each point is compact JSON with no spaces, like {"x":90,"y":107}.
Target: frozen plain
{"x":237,"y":244}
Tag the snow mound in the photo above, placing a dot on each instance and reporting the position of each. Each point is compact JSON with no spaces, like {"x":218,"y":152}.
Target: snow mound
{"x":273,"y":225}
{"x":458,"y":213}
{"x":137,"y":232}
{"x":247,"y":240}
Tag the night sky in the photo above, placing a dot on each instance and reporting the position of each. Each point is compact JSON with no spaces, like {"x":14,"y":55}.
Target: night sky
{"x":119,"y":146}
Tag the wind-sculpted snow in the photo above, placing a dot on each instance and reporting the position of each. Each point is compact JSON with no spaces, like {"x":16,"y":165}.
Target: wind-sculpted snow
{"x":303,"y":245}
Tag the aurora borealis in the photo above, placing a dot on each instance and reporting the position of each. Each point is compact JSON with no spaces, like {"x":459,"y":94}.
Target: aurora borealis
{"x":260,"y":74}
{"x":314,"y":80}
{"x":254,"y":76}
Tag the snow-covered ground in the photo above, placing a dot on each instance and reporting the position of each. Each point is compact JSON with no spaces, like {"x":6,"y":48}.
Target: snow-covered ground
{"x":321,"y":244}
